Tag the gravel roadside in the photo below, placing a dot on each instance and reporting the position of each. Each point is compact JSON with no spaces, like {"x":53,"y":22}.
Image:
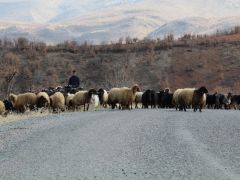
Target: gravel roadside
{"x":138,"y":144}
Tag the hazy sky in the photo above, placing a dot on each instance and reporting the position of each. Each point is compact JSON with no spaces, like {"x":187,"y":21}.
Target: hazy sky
{"x":43,"y":11}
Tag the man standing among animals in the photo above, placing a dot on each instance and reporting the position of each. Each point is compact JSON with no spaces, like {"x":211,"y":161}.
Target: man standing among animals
{"x":74,"y":80}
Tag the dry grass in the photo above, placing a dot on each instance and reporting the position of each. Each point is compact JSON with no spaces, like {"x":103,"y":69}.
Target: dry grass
{"x":215,"y":66}
{"x":13,"y":117}
{"x":104,"y":65}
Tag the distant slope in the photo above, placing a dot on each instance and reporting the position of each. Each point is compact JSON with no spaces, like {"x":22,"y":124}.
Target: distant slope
{"x":110,"y":27}
{"x":116,"y":26}
{"x":97,"y":21}
{"x":196,"y":25}
{"x":215,"y":65}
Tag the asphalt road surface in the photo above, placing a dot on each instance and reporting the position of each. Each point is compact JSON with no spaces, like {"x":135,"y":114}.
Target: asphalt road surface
{"x":138,"y":144}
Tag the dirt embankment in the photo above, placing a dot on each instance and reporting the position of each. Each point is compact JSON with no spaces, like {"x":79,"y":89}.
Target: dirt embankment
{"x":216,"y":67}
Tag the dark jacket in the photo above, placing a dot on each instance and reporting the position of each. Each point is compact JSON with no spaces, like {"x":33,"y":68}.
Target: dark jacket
{"x":74,"y":81}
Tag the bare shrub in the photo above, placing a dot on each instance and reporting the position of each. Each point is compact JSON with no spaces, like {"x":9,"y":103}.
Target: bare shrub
{"x":22,"y":43}
{"x":9,"y":67}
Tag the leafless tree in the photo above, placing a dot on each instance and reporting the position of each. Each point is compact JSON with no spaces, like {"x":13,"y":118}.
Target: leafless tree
{"x":9,"y":67}
{"x":22,"y":43}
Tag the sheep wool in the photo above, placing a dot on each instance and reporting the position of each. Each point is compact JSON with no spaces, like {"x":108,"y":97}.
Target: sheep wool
{"x":2,"y":108}
{"x":43,"y":100}
{"x":69,"y":99}
{"x":124,"y":96}
{"x":199,"y":98}
{"x":175,"y":98}
{"x":22,"y":101}
{"x":83,"y":98}
{"x":103,"y":97}
{"x":138,"y":98}
{"x":57,"y":101}
{"x":185,"y":97}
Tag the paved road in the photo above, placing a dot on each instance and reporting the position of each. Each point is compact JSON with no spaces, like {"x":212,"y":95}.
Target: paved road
{"x":139,"y":144}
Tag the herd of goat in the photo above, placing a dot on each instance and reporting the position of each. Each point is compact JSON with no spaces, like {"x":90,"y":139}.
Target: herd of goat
{"x":68,"y":98}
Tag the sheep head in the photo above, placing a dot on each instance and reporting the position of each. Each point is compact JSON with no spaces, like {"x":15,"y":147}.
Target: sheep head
{"x":135,"y":88}
{"x":100,"y":95}
{"x":13,"y":98}
{"x":203,"y":90}
{"x":226,"y":101}
{"x":229,"y":95}
{"x":100,"y":91}
{"x":148,"y":91}
{"x":167,"y":90}
{"x":91,"y":92}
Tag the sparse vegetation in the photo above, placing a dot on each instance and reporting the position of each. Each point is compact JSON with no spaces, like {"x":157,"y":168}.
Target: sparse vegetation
{"x":211,"y":60}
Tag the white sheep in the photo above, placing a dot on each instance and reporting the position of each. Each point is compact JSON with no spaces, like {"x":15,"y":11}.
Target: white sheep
{"x":83,"y":98}
{"x":2,"y":108}
{"x":138,"y":98}
{"x":103,"y":97}
{"x":199,"y":98}
{"x":95,"y":101}
{"x":114,"y":96}
{"x":185,"y":98}
{"x":43,"y":100}
{"x":22,"y":101}
{"x":68,"y":100}
{"x":188,"y":97}
{"x":57,"y":102}
{"x":175,"y":100}
{"x":124,"y":96}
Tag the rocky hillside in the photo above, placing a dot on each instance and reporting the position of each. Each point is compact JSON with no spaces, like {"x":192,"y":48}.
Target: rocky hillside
{"x":210,"y":61}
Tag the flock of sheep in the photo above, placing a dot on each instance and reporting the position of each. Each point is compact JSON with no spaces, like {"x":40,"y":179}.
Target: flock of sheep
{"x":69,"y":99}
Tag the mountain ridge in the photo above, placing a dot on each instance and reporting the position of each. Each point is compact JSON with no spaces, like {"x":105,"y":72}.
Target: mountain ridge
{"x":95,"y":21}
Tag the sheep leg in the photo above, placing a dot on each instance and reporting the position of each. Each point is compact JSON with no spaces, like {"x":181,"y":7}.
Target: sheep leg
{"x":180,"y":108}
{"x":129,"y":107}
{"x":136,"y":106}
{"x":184,"y":108}
{"x":113,"y":106}
{"x":196,"y":108}
{"x":32,"y":107}
{"x":22,"y":109}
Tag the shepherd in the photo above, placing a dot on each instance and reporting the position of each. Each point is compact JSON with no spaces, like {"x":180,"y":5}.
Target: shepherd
{"x":74,"y":80}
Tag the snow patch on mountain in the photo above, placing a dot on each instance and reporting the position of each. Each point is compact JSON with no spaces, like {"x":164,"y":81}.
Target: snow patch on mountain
{"x":55,"y":21}
{"x":195,"y":25}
